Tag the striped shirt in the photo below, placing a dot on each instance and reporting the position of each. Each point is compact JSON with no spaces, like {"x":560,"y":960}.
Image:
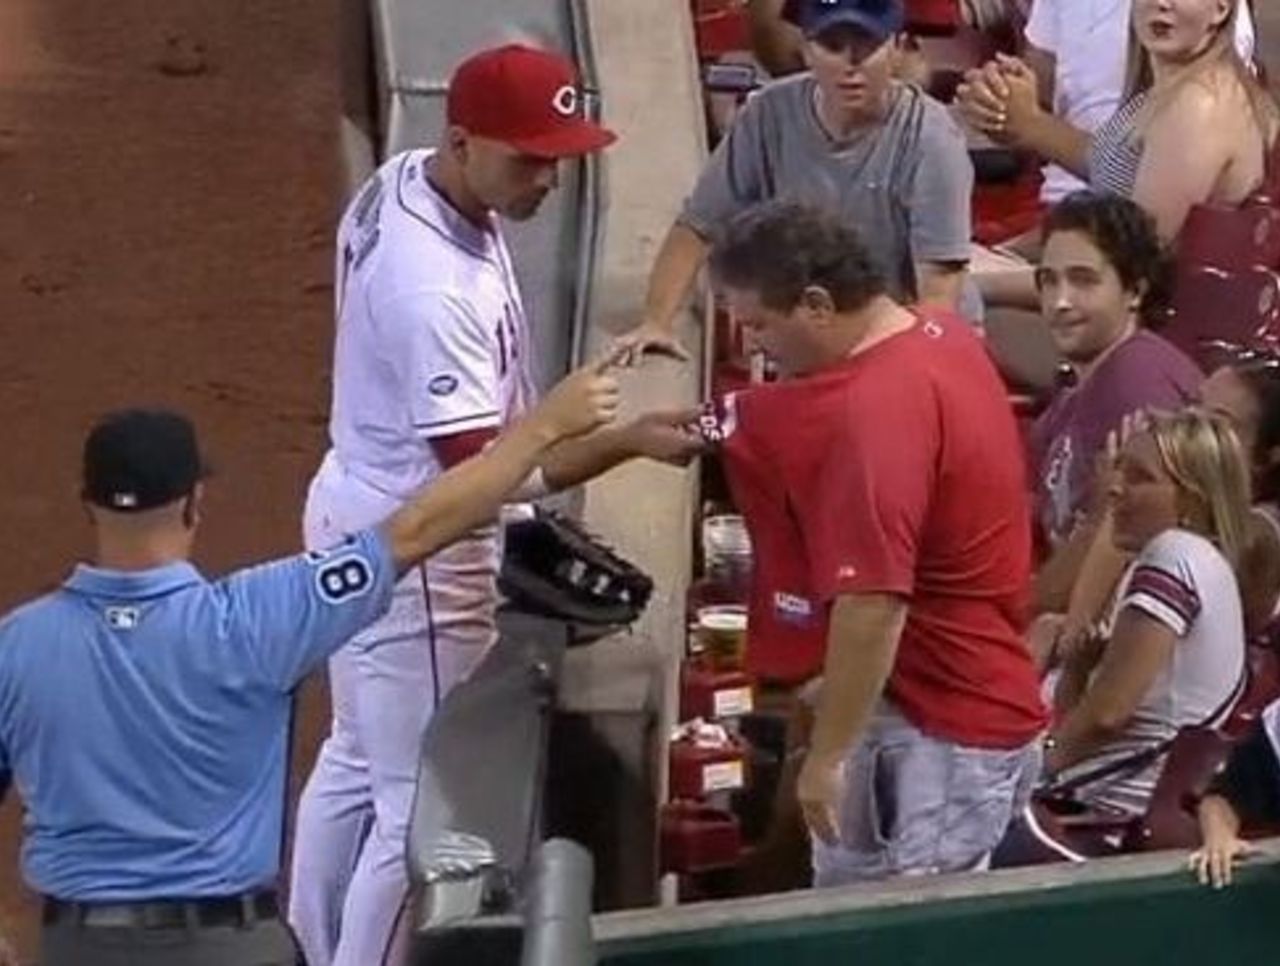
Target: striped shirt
{"x":1182,"y":581}
{"x":1117,"y":149}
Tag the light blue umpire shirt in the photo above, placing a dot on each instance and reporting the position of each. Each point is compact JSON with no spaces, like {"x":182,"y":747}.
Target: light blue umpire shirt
{"x":144,"y":717}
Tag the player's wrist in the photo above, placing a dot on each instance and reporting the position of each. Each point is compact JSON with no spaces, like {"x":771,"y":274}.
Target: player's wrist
{"x":544,"y":428}
{"x":659,"y":323}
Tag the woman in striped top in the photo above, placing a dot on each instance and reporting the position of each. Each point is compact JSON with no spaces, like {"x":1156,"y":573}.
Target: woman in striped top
{"x":1195,"y":125}
{"x":1174,"y":653}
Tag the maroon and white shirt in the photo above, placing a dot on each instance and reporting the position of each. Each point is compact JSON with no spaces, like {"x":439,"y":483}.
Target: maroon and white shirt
{"x":1183,"y":581}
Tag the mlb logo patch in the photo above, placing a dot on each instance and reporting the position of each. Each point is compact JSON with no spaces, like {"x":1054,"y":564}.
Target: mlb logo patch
{"x":122,"y":618}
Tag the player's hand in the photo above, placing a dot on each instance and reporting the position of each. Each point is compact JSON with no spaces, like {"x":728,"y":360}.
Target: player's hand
{"x":1106,"y":467}
{"x":584,"y":400}
{"x":819,"y":789}
{"x":1213,"y":862}
{"x":667,"y":436}
{"x":649,"y":338}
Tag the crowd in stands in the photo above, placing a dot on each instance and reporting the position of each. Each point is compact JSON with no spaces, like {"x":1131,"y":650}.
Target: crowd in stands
{"x":1153,"y":487}
{"x":992,"y":617}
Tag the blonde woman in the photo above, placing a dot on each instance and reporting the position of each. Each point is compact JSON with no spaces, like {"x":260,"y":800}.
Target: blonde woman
{"x":1175,"y":652}
{"x":1186,"y":79}
{"x":1194,"y":125}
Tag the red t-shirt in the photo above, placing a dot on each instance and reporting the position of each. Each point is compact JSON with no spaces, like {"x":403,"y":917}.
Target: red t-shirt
{"x":899,"y":471}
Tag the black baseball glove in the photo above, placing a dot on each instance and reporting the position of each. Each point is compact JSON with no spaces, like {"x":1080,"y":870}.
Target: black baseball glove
{"x":553,"y":567}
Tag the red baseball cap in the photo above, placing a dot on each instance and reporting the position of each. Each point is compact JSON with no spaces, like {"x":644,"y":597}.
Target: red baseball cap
{"x":527,"y":98}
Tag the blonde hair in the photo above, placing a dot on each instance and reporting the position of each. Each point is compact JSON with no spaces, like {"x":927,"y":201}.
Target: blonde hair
{"x":1203,"y":456}
{"x":1220,"y":52}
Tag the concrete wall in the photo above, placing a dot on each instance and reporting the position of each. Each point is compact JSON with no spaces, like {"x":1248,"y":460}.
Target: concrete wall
{"x":644,"y":51}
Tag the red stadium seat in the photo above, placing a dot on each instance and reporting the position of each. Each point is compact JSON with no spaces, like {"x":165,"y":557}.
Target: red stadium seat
{"x":1197,"y":753}
{"x":1170,"y":822}
{"x":1241,"y":307}
{"x":933,"y":18}
{"x":1239,"y":237}
{"x":1234,"y":239}
{"x":720,"y":27}
{"x":1262,"y":690}
{"x":1005,"y":210}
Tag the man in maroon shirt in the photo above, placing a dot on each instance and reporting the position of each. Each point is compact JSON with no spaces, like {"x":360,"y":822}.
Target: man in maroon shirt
{"x":884,"y":488}
{"x":1102,"y":279}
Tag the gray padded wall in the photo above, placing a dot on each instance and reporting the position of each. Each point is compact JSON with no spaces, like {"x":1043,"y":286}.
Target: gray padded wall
{"x":419,"y":42}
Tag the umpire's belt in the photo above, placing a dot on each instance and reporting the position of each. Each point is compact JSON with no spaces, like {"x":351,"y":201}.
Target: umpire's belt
{"x":242,"y":910}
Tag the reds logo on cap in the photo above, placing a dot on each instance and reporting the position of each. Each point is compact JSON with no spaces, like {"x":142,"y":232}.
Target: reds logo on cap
{"x":565,"y":103}
{"x":528,"y":98}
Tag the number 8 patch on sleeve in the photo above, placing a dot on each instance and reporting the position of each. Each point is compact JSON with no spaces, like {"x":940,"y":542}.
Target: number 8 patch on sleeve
{"x":343,"y":578}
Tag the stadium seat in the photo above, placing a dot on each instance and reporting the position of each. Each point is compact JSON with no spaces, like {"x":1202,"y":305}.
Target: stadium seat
{"x":1240,"y":307}
{"x":1170,"y":821}
{"x":720,"y":27}
{"x":1006,"y":197}
{"x":1262,"y":690}
{"x":1197,"y":753}
{"x":933,"y":18}
{"x":1236,"y":238}
{"x":1233,"y":239}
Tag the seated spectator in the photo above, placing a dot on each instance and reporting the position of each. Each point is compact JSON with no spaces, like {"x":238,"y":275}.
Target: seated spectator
{"x":1187,"y":75}
{"x":1077,"y":52}
{"x":1174,"y":654}
{"x":1101,"y":278}
{"x":1247,"y":392}
{"x":1246,"y":793}
{"x":845,"y":137}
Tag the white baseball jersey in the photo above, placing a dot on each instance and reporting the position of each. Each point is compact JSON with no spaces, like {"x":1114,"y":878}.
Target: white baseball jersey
{"x":431,"y":341}
{"x":431,"y":336}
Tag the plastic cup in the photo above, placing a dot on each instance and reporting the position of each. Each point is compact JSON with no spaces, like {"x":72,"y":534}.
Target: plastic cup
{"x":722,"y":629}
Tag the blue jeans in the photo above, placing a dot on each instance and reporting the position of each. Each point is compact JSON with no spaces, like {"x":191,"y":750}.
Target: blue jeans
{"x":916,"y":805}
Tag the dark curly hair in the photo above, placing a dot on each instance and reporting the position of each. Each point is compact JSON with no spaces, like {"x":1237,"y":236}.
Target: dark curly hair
{"x":1126,"y":235}
{"x":777,"y":249}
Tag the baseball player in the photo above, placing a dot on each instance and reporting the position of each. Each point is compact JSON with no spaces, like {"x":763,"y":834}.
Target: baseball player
{"x":152,"y":760}
{"x":431,"y":359}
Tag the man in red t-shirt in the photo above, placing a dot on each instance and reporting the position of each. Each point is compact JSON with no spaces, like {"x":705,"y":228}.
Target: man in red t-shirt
{"x":885,"y":492}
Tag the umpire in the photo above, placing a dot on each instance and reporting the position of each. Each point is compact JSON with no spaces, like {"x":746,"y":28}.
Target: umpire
{"x":144,"y":710}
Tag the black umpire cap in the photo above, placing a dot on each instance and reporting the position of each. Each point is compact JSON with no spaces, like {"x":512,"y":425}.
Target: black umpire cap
{"x":139,"y":459}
